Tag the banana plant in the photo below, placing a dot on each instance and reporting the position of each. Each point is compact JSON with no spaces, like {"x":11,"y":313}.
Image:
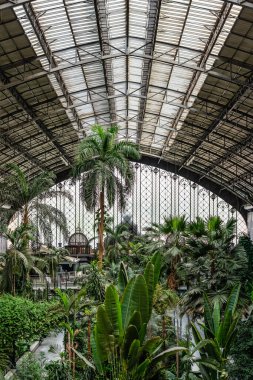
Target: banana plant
{"x":219,"y":332}
{"x":119,"y":347}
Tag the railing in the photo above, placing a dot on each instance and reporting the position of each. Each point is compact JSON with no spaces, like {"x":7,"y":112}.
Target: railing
{"x":62,"y":280}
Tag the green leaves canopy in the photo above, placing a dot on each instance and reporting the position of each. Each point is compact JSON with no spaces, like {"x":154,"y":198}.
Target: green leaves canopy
{"x":120,"y":331}
{"x":105,"y":165}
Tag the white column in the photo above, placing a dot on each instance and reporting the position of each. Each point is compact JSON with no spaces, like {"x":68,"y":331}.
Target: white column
{"x":250,"y":223}
{"x":3,"y":244}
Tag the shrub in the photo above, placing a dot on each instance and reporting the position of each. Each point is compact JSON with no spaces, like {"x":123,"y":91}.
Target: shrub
{"x":23,"y":321}
{"x":30,"y":368}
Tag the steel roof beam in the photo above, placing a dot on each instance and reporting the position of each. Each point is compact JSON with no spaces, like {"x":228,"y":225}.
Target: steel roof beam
{"x":78,"y":54}
{"x":49,"y":55}
{"x":22,"y":151}
{"x":35,"y":58}
{"x":215,"y":153}
{"x":103,"y":35}
{"x":14,"y":3}
{"x":56,"y":68}
{"x":225,"y":110}
{"x":30,"y":112}
{"x":217,"y":29}
{"x":184,"y":106}
{"x":230,"y":153}
{"x":241,"y":177}
{"x":152,"y":27}
{"x":242,"y":3}
{"x":127,"y":60}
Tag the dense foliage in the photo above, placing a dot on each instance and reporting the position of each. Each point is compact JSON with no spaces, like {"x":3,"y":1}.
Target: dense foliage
{"x":22,"y":322}
{"x":124,"y":321}
{"x":241,"y":366}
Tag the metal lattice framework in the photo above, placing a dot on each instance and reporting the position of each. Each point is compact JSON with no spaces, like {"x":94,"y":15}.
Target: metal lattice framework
{"x":175,"y":75}
{"x":157,"y":194}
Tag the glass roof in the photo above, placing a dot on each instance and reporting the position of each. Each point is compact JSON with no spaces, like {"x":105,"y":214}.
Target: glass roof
{"x":175,"y":75}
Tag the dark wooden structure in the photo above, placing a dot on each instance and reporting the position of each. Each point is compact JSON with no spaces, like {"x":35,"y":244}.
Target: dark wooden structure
{"x":78,"y":246}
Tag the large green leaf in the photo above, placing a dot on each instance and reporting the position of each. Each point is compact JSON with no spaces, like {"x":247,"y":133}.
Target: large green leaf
{"x":230,"y":337}
{"x":169,"y":352}
{"x":142,"y":369}
{"x":196,"y":334}
{"x":135,"y":298}
{"x":208,"y":316}
{"x":149,"y":278}
{"x":131,"y":335}
{"x":123,"y":278}
{"x":233,"y":299}
{"x":142,"y":332}
{"x":133,"y":354}
{"x":152,"y":345}
{"x":216,"y":317}
{"x":98,"y":357}
{"x":104,"y":334}
{"x":224,"y":327}
{"x":113,"y":310}
{"x":204,"y":343}
{"x":136,"y":320}
{"x":84,"y":359}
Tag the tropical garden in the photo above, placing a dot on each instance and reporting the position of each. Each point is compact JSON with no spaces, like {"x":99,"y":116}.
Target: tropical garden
{"x":172,"y":302}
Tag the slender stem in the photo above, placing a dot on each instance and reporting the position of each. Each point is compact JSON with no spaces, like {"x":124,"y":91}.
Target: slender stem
{"x":101,"y":229}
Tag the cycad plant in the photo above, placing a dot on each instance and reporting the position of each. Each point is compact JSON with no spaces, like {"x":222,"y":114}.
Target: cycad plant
{"x":28,"y":196}
{"x":107,"y":173}
{"x":215,"y":341}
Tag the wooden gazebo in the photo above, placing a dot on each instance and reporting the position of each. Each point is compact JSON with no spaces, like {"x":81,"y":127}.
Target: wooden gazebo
{"x":78,"y":246}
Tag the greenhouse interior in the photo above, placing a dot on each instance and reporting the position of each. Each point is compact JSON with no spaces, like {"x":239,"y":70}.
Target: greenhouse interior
{"x":126,"y":190}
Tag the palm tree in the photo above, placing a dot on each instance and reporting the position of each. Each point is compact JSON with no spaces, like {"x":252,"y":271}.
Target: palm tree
{"x":18,"y":260}
{"x":211,"y":263}
{"x":107,"y":173}
{"x":170,"y":238}
{"x":115,"y":239}
{"x":28,"y":196}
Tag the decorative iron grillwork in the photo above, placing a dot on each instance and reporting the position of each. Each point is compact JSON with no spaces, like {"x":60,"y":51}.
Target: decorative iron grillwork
{"x":156,"y":194}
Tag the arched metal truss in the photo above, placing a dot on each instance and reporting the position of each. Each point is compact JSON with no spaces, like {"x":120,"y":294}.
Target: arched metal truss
{"x":175,"y":75}
{"x":156,"y":194}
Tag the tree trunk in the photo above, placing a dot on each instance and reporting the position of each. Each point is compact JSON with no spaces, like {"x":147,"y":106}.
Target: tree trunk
{"x":101,"y":229}
{"x":171,"y":281}
{"x":26,"y":214}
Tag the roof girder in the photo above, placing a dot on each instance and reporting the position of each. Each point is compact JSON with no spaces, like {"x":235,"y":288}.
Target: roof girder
{"x":101,"y":18}
{"x":152,"y":26}
{"x":225,"y":110}
{"x":37,"y":121}
{"x":61,"y":67}
{"x":208,"y":48}
{"x":52,"y":62}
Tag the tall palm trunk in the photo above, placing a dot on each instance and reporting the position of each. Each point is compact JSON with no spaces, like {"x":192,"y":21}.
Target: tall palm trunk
{"x":26,"y":214}
{"x":101,"y":229}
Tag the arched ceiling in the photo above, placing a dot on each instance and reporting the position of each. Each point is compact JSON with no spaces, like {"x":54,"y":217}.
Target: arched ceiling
{"x":175,"y":75}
